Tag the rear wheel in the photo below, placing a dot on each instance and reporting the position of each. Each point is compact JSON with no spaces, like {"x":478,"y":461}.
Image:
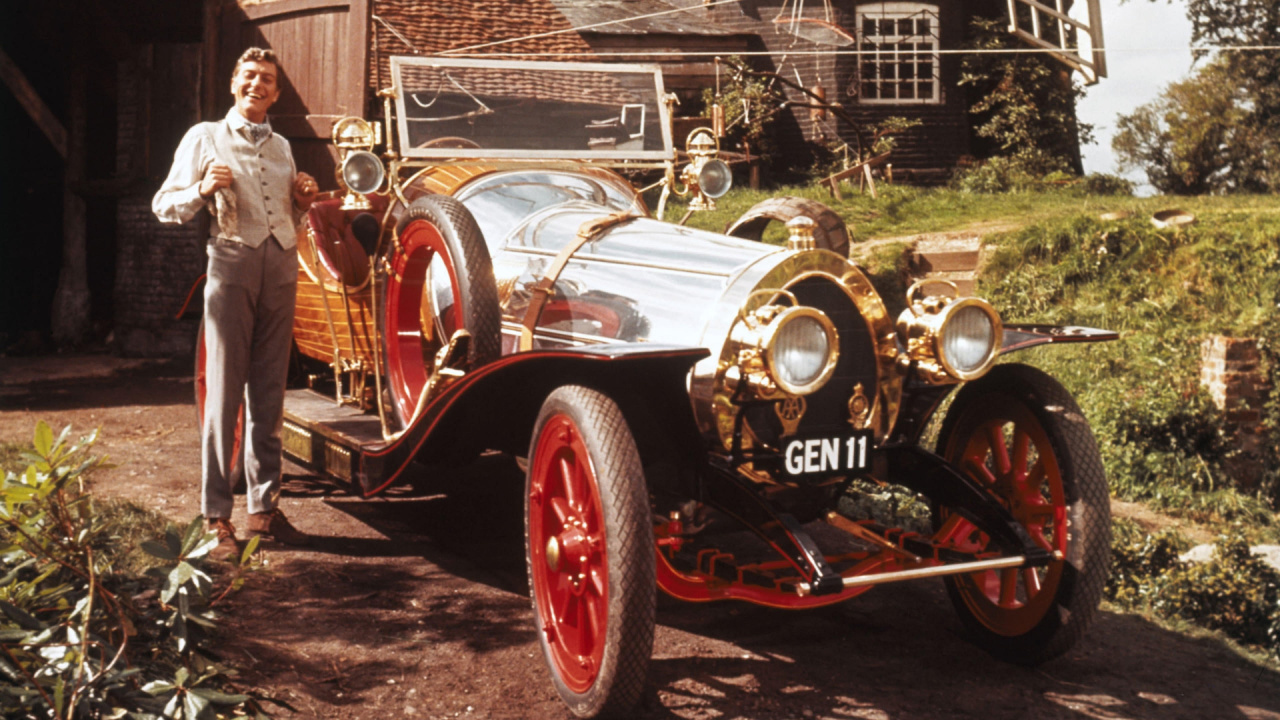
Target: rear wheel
{"x":1021,"y":435}
{"x":830,"y":232}
{"x":202,"y":393}
{"x":590,"y":552}
{"x":441,"y":281}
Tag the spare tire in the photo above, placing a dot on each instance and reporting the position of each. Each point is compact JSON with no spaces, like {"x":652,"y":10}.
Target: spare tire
{"x":829,"y":234}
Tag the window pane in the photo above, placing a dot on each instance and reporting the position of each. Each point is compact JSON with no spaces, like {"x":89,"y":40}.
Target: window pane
{"x":907,"y":71}
{"x":905,"y":26}
{"x":889,"y":72}
{"x":925,"y":90}
{"x":908,"y":90}
{"x":922,"y":27}
{"x":868,"y":27}
{"x":924,"y":71}
{"x":886,"y":26}
{"x":869,"y":90}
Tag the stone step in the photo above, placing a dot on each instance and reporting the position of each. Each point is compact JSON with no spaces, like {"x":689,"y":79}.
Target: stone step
{"x":954,"y":258}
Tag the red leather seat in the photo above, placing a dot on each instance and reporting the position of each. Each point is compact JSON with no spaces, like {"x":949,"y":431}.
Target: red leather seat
{"x":338,"y":250}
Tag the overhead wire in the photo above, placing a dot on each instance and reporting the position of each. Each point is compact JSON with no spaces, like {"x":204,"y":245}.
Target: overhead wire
{"x":940,"y":51}
{"x":469,"y":51}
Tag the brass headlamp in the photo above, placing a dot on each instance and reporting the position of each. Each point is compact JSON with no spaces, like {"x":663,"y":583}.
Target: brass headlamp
{"x":359,"y":170}
{"x":949,"y":339}
{"x":782,"y":350}
{"x":706,"y":177}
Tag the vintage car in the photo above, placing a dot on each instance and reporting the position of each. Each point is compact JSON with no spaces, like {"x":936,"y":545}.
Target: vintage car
{"x":690,"y":407}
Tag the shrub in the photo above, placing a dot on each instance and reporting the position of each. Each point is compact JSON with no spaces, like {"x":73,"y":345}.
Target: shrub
{"x":1107,"y":184}
{"x":75,"y":639}
{"x":1235,"y":592}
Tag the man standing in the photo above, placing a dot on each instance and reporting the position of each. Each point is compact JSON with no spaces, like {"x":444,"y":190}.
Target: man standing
{"x":245,"y":175}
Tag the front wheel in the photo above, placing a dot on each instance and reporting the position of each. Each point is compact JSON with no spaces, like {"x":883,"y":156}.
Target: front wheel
{"x":590,"y":552}
{"x":1021,"y":435}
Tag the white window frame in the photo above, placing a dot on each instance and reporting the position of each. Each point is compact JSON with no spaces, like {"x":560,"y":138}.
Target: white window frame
{"x":886,"y":52}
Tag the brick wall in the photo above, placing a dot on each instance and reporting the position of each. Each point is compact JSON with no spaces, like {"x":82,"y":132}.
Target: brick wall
{"x":156,"y":264}
{"x":1229,"y":369}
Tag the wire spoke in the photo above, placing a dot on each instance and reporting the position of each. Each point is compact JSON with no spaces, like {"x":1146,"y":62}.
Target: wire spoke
{"x":1031,"y":579}
{"x":999,"y":449}
{"x":1009,"y":587}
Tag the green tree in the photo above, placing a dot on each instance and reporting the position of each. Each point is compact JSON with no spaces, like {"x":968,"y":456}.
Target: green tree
{"x":1239,"y":105}
{"x":1024,"y":105}
{"x":1196,"y":138}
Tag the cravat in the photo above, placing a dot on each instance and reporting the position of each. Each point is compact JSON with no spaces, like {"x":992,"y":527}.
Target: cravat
{"x":258,"y":132}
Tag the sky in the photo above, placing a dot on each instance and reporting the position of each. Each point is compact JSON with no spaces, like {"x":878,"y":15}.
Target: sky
{"x":1148,"y":47}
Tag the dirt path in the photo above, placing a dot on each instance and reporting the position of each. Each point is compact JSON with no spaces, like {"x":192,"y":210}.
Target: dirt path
{"x":414,"y":606}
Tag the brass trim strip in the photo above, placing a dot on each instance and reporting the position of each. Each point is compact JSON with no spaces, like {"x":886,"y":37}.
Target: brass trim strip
{"x":296,"y":441}
{"x":541,"y":292}
{"x":337,"y":460}
{"x":617,"y":261}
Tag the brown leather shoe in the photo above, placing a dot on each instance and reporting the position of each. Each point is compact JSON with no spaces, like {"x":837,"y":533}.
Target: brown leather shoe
{"x":227,"y":548}
{"x":272,"y":525}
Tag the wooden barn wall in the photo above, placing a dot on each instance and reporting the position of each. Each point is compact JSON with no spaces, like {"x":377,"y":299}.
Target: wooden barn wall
{"x":322,"y":46}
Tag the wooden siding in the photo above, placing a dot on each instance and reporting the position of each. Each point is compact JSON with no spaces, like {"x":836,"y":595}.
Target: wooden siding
{"x":322,"y":46}
{"x":352,"y":322}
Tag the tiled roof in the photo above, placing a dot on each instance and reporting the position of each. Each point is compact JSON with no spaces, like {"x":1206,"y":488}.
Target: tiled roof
{"x":693,"y":20}
{"x":439,"y":25}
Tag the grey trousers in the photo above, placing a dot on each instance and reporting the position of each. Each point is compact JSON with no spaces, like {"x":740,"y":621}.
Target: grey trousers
{"x":249,"y":299}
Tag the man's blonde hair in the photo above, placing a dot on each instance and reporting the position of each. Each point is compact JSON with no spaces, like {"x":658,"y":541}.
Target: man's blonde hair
{"x":257,"y":54}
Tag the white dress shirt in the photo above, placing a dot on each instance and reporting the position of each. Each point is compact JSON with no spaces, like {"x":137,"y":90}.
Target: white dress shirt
{"x":260,"y":202}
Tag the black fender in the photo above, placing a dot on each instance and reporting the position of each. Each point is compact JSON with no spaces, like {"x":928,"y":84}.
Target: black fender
{"x":920,"y":400}
{"x":494,"y":406}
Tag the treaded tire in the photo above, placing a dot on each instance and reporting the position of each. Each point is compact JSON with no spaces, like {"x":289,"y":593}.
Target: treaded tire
{"x":1015,"y":616}
{"x":436,"y":226}
{"x":581,"y":442}
{"x":830,"y":233}
{"x":201,"y":390}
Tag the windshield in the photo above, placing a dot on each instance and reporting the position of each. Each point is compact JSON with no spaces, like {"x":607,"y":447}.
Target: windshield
{"x":451,"y":108}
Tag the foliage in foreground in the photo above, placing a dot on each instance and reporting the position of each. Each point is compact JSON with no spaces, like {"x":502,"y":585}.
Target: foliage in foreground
{"x":78,"y":637}
{"x":1235,"y":592}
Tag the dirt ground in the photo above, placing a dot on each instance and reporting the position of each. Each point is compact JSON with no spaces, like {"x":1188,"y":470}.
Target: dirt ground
{"x":415,"y":605}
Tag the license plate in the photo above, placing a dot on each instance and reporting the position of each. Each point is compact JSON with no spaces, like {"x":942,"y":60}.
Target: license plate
{"x":827,"y":454}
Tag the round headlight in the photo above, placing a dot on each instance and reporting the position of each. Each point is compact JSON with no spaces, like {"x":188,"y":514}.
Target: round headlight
{"x":715,"y":178}
{"x":802,"y":350}
{"x":362,"y":172}
{"x":969,"y":339}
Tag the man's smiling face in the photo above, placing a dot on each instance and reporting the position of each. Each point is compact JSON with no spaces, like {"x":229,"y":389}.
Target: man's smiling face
{"x":255,"y":87}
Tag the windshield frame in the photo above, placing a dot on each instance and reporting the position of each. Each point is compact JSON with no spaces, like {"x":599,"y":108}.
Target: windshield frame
{"x":602,"y":156}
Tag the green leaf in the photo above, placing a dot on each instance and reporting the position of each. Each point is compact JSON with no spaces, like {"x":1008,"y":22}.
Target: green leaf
{"x":44,"y":438}
{"x":193,"y":534}
{"x":193,"y":705}
{"x":206,"y":545}
{"x":20,"y":616}
{"x":249,"y":549}
{"x":181,"y":574}
{"x":220,"y":698}
{"x":155,"y":549}
{"x":171,"y":707}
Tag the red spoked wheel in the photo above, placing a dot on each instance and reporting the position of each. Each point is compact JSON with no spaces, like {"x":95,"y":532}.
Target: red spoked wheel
{"x":441,"y":281}
{"x":590,"y":552}
{"x":1021,"y":435}
{"x":202,"y":393}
